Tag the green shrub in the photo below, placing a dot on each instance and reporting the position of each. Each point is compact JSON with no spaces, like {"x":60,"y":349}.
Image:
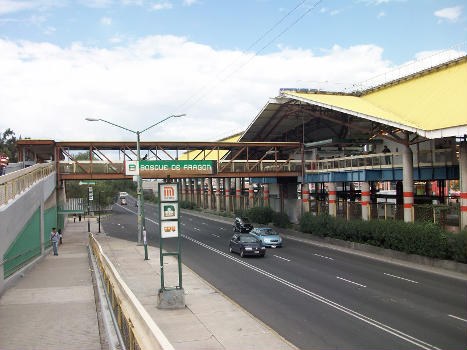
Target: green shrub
{"x":281,"y":220}
{"x":261,"y":215}
{"x":422,"y":238}
{"x":187,"y":205}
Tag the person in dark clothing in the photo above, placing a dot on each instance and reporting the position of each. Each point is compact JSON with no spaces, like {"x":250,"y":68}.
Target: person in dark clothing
{"x":387,"y":159}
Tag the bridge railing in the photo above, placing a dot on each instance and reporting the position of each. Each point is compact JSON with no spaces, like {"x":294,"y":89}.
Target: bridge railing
{"x":14,"y":183}
{"x":96,"y":166}
{"x":242,"y":166}
{"x":430,"y":158}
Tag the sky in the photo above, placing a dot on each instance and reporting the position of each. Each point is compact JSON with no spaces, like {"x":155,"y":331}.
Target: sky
{"x":135,"y":62}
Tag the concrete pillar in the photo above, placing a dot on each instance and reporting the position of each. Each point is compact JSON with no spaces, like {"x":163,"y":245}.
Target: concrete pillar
{"x":218,"y":195}
{"x":332,"y":198}
{"x":463,"y":183}
{"x":195,"y":191}
{"x":407,"y":182}
{"x":210,"y":193}
{"x":228,"y":208}
{"x":183,"y":190}
{"x":251,"y":202}
{"x":365,"y":201}
{"x":238,"y":192}
{"x":266,"y":194}
{"x":202,"y":201}
{"x":305,"y":197}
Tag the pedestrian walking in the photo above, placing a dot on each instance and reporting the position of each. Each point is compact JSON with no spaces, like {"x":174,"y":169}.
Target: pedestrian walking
{"x":60,"y":236}
{"x":79,"y":217}
{"x":4,"y":160}
{"x":387,"y":158}
{"x":54,"y":237}
{"x":74,"y":217}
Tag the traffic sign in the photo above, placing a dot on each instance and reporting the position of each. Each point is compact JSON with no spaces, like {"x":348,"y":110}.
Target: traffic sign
{"x":87,"y":182}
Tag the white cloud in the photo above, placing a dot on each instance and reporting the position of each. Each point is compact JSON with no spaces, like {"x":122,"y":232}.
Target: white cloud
{"x":106,"y":21}
{"x":165,"y":5}
{"x":450,"y":13}
{"x":96,"y":3}
{"x":323,"y":10}
{"x":189,"y":2}
{"x":378,"y":2}
{"x":335,"y":12}
{"x":47,"y":90}
{"x":11,"y":6}
{"x":381,"y":15}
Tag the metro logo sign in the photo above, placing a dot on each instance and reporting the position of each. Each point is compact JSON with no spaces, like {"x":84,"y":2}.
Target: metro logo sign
{"x":168,"y":192}
{"x":169,"y":229}
{"x":131,"y":168}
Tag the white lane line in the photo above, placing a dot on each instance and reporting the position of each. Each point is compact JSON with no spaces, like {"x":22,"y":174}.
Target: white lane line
{"x":323,"y":300}
{"x":197,"y":229}
{"x":457,"y":318}
{"x":401,"y":278}
{"x":183,"y":224}
{"x":324,"y":257}
{"x":204,"y":223}
{"x":213,"y":234}
{"x":358,"y":284}
{"x":280,"y":257}
{"x":350,"y":312}
{"x":222,"y":228}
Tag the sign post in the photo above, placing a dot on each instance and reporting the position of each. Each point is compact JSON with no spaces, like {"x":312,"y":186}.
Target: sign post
{"x":170,"y":297}
{"x":90,"y":199}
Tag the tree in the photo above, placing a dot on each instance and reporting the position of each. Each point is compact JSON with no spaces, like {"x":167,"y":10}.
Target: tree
{"x":8,"y":145}
{"x":109,"y":189}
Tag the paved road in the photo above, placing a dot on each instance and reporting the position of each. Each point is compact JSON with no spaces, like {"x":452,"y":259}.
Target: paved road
{"x":316,"y":297}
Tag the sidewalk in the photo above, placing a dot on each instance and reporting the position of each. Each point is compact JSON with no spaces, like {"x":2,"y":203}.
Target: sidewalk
{"x":53,"y":306}
{"x":210,"y":320}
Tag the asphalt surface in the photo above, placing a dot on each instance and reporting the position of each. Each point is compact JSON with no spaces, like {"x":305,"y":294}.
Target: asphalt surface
{"x":317,"y":297}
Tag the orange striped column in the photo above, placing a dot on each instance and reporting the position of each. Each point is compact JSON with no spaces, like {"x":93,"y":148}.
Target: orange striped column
{"x":251,"y":202}
{"x":365,"y":201}
{"x":201,"y":190}
{"x":218,"y":194}
{"x":407,"y":182}
{"x":195,"y":191}
{"x":266,"y":194}
{"x":228,"y":209}
{"x":463,"y":183}
{"x":306,"y":197}
{"x":188,"y":190}
{"x":332,"y":198}
{"x":210,"y":193}
{"x":183,"y":190}
{"x":238,"y":192}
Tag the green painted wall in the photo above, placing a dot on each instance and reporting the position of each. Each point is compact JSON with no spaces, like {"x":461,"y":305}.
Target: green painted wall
{"x":50,"y":221}
{"x":28,"y":240}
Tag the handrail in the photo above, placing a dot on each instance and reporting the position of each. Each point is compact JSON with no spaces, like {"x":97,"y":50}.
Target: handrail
{"x":143,"y":332}
{"x":18,"y":181}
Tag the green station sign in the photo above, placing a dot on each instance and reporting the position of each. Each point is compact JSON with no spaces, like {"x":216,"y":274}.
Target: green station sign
{"x":163,"y":168}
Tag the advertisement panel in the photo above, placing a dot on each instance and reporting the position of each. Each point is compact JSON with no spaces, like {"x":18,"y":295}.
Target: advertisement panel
{"x":169,"y":229}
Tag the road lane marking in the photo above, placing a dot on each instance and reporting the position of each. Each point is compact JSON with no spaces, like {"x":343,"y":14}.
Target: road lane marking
{"x":280,"y":257}
{"x":197,"y":229}
{"x":204,"y":223}
{"x":323,"y":300}
{"x":350,"y":312}
{"x":213,"y":234}
{"x":324,"y":257}
{"x":457,"y":318}
{"x":401,"y":278}
{"x":183,"y":224}
{"x":222,"y":228}
{"x":358,"y":284}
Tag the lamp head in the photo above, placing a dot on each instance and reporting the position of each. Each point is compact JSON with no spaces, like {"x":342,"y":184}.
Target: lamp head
{"x":179,"y":115}
{"x":92,"y":119}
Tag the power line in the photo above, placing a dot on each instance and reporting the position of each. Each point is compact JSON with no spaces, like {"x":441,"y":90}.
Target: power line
{"x":208,"y":85}
{"x":258,"y":52}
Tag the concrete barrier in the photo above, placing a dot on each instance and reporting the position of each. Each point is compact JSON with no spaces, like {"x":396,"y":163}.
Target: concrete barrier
{"x":137,"y":327}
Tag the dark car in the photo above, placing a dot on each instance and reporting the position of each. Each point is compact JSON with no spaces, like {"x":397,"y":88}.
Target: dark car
{"x":242,"y":225}
{"x":246,"y":244}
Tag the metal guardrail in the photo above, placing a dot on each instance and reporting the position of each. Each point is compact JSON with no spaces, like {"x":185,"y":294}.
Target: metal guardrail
{"x":14,"y":183}
{"x":439,"y":157}
{"x":138,"y":329}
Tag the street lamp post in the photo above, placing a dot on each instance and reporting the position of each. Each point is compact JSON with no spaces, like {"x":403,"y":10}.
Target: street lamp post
{"x":140,"y":200}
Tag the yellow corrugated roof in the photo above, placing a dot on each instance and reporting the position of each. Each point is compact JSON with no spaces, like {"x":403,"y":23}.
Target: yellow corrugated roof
{"x":436,"y":100}
{"x":198,"y":155}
